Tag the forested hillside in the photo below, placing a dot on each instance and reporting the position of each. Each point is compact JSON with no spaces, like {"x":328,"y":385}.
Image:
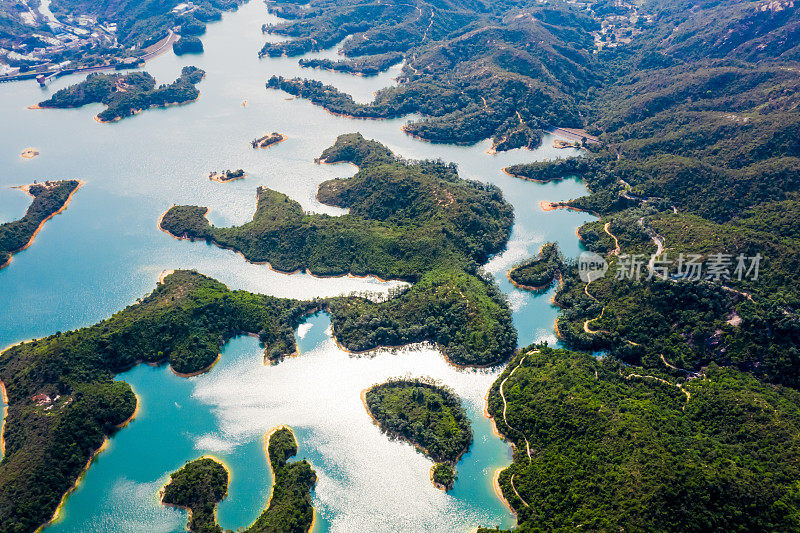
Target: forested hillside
{"x":601,"y":446}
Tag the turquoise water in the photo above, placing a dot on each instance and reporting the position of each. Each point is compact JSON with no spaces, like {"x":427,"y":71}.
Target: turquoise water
{"x":105,"y":251}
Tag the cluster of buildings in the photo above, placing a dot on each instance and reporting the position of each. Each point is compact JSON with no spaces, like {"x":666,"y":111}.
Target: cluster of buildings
{"x":39,"y":49}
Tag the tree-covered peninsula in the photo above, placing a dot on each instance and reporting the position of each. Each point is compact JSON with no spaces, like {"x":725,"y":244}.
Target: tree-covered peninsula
{"x":63,"y":401}
{"x":427,"y":415}
{"x":410,"y":220}
{"x":127,"y":94}
{"x":202,"y":484}
{"x":199,"y":486}
{"x":406,"y":218}
{"x":49,"y":198}
{"x":600,"y":446}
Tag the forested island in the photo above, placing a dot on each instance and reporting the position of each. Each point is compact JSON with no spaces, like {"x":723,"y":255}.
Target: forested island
{"x":619,"y":447}
{"x":127,"y":94}
{"x":410,"y":220}
{"x":268,"y":140}
{"x":49,"y":199}
{"x":199,"y":486}
{"x":289,"y":507}
{"x":539,"y":273}
{"x":427,"y":415}
{"x":364,"y":66}
{"x":202,"y":484}
{"x":187,"y":44}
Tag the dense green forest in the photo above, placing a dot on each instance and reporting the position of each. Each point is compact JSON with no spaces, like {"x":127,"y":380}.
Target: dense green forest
{"x":416,"y":221}
{"x":63,"y":402}
{"x":199,"y":486}
{"x":464,"y":314}
{"x":614,"y":447}
{"x":127,"y":94}
{"x":290,"y":509}
{"x":406,"y":218}
{"x":203,"y":483}
{"x":539,"y":273}
{"x":699,"y":155}
{"x":443,"y":475}
{"x":48,"y":198}
{"x":426,"y":414}
{"x":365,"y":66}
{"x":187,"y":44}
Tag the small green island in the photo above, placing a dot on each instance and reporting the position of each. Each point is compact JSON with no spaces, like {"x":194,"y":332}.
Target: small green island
{"x":227,"y":175}
{"x":268,"y":140}
{"x":126,"y":94}
{"x":539,"y":273}
{"x":363,"y":66}
{"x":427,"y":415}
{"x":199,"y":487}
{"x":49,"y":199}
{"x":187,"y":44}
{"x":202,"y":484}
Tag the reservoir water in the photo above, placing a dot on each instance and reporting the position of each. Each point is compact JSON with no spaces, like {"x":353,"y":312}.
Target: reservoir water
{"x":105,"y":251}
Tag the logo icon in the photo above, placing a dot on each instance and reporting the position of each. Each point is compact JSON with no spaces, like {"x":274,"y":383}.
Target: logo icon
{"x":591,"y":267}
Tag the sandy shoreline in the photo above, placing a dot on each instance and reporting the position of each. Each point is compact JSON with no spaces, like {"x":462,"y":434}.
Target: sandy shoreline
{"x":499,"y":491}
{"x":261,"y":145}
{"x":26,"y":189}
{"x":221,"y":178}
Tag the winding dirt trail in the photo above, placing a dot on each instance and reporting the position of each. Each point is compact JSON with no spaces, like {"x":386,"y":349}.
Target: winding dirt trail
{"x":527,"y":444}
{"x":505,"y":406}
{"x":664,"y":381}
